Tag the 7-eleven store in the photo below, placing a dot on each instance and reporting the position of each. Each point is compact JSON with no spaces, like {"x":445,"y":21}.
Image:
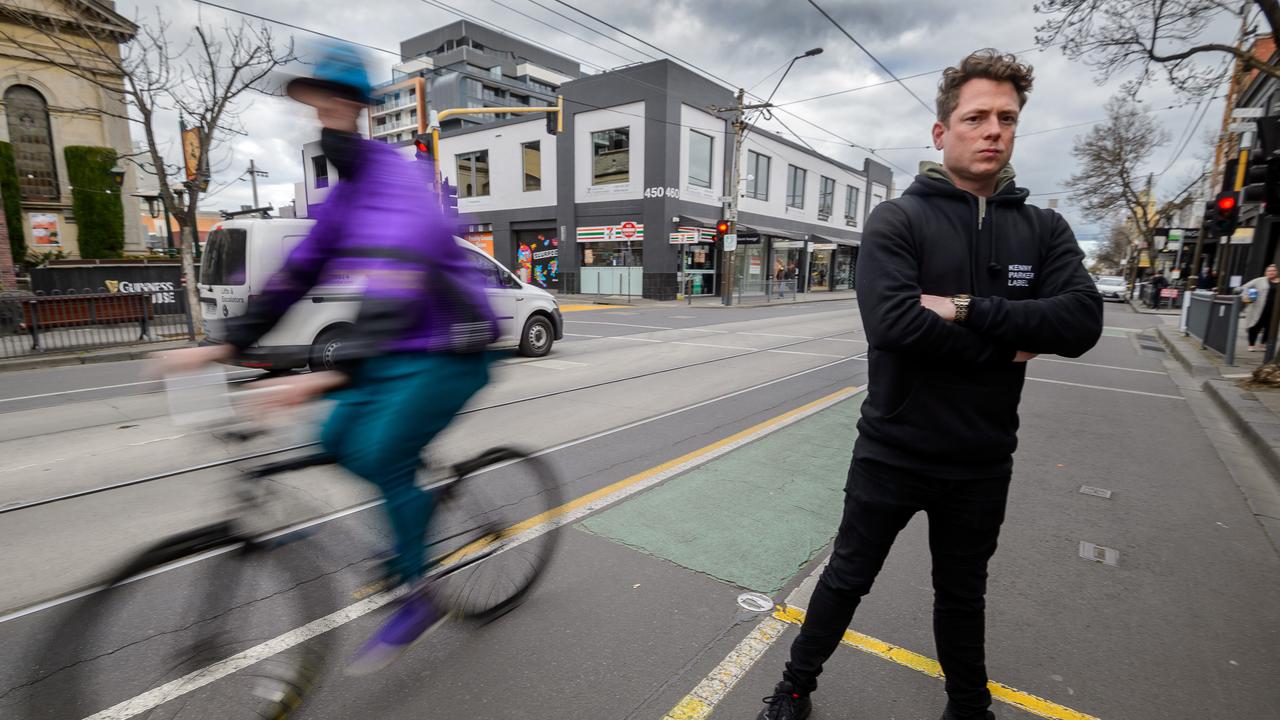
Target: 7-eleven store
{"x":612,"y":258}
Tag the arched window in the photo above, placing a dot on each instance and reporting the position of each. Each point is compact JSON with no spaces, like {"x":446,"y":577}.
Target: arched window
{"x":32,"y":141}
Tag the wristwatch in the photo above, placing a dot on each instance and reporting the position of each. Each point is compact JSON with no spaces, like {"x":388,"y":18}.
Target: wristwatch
{"x":962,"y":307}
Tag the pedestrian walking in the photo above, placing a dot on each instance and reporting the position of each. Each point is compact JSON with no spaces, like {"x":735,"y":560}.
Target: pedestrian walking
{"x":1158,"y":283}
{"x":960,"y":283}
{"x":1260,"y":304}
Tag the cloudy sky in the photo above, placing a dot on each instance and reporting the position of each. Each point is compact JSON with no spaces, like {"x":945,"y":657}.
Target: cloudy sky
{"x":745,"y":42}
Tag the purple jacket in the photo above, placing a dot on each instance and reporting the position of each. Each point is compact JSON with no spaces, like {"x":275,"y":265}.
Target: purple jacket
{"x":383,"y":226}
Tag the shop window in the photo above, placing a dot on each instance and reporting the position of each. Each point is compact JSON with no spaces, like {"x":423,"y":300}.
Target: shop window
{"x":531,"y":159}
{"x":473,"y":174}
{"x":700,"y":150}
{"x":826,"y":198}
{"x":611,"y":156}
{"x":321,"y":167}
{"x":795,"y":186}
{"x":757,"y":175}
{"x":851,"y":206}
{"x":32,"y":140}
{"x":612,"y":254}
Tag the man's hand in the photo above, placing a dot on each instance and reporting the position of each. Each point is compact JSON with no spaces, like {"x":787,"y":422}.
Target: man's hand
{"x":174,"y":362}
{"x":290,"y":390}
{"x":1022,"y":356}
{"x":942,"y":306}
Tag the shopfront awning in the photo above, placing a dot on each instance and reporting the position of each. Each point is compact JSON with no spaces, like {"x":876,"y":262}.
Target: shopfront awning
{"x":744,"y":229}
{"x":832,"y":240}
{"x":693,"y":220}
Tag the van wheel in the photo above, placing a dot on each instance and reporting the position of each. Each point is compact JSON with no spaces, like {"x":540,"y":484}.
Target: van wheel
{"x":536,"y":339}
{"x":325,"y":348}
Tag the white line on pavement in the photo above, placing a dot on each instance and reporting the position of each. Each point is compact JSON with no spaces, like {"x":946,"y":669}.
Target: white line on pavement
{"x":1107,"y":367}
{"x":797,"y":337}
{"x":54,"y":602}
{"x":1111,"y":389}
{"x":212,"y":673}
{"x":797,"y":352}
{"x":581,"y":335}
{"x":112,"y":387}
{"x":618,"y":324}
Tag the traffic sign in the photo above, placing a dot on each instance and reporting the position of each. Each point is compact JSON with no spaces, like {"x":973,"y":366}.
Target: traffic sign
{"x":1248,"y":112}
{"x":628,"y":229}
{"x":1241,"y":127}
{"x":730,"y":242}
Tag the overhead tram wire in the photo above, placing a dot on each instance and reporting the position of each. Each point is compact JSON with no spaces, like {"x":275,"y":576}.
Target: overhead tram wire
{"x":588,"y":27}
{"x":869,"y":54}
{"x":477,"y":19}
{"x":557,"y":29}
{"x":295,"y":27}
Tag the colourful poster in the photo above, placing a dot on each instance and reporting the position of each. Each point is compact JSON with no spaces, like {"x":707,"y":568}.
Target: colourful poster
{"x":44,"y":230}
{"x":537,"y":260}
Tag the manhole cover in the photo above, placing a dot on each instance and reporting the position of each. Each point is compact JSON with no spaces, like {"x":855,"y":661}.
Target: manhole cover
{"x":755,"y":602}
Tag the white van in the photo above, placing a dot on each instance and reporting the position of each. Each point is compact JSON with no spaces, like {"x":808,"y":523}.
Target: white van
{"x":241,"y":255}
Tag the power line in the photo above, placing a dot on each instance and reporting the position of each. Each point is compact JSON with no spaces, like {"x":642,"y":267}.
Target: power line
{"x":482,"y":21}
{"x":588,"y":27}
{"x":553,"y":27}
{"x":873,"y":57}
{"x":296,"y":27}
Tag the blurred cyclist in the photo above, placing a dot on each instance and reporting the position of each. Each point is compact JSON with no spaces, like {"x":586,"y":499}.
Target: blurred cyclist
{"x":416,"y":354}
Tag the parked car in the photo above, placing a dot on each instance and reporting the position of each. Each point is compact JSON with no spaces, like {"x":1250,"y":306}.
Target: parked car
{"x":1111,"y":287}
{"x":241,"y":255}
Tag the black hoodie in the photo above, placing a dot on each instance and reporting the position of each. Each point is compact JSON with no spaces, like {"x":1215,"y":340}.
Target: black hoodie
{"x":943,"y":397}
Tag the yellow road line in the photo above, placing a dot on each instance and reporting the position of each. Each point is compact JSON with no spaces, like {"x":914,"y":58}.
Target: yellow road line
{"x":580,"y":308}
{"x":1026,"y":701}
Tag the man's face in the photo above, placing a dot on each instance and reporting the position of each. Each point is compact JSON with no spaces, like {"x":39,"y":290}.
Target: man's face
{"x":334,"y":112}
{"x":1271,"y":272}
{"x":977,"y":140}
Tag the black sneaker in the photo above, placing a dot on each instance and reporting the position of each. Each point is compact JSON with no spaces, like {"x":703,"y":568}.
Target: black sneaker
{"x":785,"y":704}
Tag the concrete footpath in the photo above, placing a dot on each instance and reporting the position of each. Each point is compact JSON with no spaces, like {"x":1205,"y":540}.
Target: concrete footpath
{"x":137,"y":351}
{"x":1253,"y":409}
{"x":707,"y":301}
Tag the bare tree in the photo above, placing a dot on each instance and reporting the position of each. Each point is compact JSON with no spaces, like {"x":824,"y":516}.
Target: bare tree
{"x":1109,"y":259}
{"x":1172,"y":36}
{"x":204,"y":80}
{"x":1111,"y":180}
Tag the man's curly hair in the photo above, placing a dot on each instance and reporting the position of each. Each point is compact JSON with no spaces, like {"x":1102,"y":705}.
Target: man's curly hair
{"x":987,"y":63}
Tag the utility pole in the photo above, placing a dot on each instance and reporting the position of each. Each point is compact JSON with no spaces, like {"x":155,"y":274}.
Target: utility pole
{"x":254,"y":173}
{"x":730,"y":253}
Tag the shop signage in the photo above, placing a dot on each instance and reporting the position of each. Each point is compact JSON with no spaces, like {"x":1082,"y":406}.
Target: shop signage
{"x":626,"y":232}
{"x":783,"y":244}
{"x":823,"y":246}
{"x":683,"y":238}
{"x":703,"y":234}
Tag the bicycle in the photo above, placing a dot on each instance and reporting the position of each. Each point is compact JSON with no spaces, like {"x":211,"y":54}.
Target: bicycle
{"x":486,"y":555}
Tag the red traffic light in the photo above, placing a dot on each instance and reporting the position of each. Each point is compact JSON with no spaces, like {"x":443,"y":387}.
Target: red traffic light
{"x":722,"y":227}
{"x":422,"y":146}
{"x":1226,"y":203}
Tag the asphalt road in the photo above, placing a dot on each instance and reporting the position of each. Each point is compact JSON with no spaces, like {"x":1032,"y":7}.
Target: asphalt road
{"x":639,"y":608}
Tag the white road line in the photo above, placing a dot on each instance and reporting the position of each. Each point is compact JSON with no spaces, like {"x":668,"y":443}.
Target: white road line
{"x":112,"y":387}
{"x":581,"y":335}
{"x":864,"y":342}
{"x":797,"y":352}
{"x":1107,"y":367}
{"x":718,"y":347}
{"x":618,"y":324}
{"x":797,"y":337}
{"x":708,"y":693}
{"x":1111,"y":389}
{"x":701,"y":330}
{"x":54,"y":602}
{"x":212,"y":673}
{"x":632,"y":339}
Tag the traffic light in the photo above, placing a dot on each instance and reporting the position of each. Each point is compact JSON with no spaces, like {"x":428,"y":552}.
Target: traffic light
{"x":722,"y":228}
{"x":1228,"y":209}
{"x":555,"y":120}
{"x":449,"y":198}
{"x":1262,"y":176}
{"x":1209,"y":226}
{"x":422,"y":145}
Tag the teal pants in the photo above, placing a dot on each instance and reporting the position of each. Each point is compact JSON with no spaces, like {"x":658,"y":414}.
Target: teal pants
{"x":394,"y":406}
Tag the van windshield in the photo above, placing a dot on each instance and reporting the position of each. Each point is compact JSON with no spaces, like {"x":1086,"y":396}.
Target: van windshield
{"x":223,"y":261}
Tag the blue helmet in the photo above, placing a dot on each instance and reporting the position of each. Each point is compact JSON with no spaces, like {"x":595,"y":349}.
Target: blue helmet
{"x":339,"y":69}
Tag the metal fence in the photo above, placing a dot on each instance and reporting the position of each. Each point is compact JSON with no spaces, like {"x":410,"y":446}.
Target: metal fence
{"x":1214,"y":320}
{"x":33,"y":324}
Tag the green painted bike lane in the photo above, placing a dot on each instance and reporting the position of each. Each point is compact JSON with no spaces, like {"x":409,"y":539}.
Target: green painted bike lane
{"x":752,"y":518}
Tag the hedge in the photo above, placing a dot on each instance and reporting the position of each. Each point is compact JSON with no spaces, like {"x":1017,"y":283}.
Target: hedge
{"x":12,"y":202}
{"x":95,"y":199}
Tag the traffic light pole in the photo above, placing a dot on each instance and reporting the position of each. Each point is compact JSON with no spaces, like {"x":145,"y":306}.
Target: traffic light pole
{"x":443,"y":115}
{"x":1246,"y":142}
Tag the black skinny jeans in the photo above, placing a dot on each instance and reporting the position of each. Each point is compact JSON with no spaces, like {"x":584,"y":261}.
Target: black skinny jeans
{"x":964,"y":524}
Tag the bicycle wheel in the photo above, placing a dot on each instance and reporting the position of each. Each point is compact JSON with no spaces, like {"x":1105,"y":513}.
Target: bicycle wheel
{"x":200,"y":651}
{"x":493,"y":532}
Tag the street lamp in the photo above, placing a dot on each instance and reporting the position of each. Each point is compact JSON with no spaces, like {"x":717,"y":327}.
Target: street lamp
{"x":117,"y":174}
{"x":807,"y":54}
